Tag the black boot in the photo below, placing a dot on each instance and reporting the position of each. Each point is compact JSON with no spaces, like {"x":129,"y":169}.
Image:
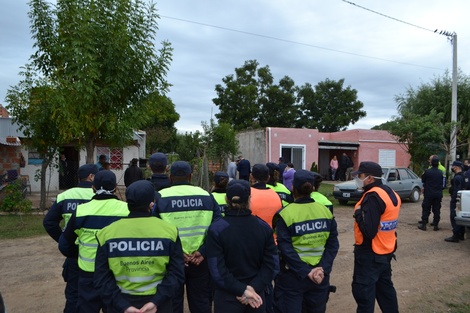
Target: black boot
{"x":462,"y":236}
{"x":435,"y":226}
{"x":452,"y":239}
{"x":422,"y":225}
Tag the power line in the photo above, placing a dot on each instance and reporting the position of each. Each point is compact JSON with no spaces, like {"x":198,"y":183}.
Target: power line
{"x":296,"y":42}
{"x":389,"y":17}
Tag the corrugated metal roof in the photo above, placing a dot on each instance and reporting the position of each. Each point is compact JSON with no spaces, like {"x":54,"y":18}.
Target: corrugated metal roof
{"x":7,"y":128}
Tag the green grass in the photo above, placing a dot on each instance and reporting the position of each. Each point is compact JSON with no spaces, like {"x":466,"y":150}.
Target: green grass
{"x":327,"y":191}
{"x":21,"y":226}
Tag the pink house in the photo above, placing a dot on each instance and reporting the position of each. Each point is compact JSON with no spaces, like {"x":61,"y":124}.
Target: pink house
{"x":302,"y":147}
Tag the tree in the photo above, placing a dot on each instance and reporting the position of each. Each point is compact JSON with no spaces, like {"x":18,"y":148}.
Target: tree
{"x":432,"y":102}
{"x":161,"y":131}
{"x":31,"y":103}
{"x":220,"y":141}
{"x":420,"y":135}
{"x":101,"y":57}
{"x":251,"y":100}
{"x":329,"y":107}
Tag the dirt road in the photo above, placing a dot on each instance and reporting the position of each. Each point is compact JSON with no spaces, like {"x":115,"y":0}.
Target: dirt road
{"x":427,"y":269}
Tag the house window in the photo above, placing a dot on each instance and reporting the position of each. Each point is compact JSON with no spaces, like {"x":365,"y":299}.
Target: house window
{"x":34,"y":157}
{"x":387,"y":157}
{"x":294,"y":154}
{"x":113,"y":155}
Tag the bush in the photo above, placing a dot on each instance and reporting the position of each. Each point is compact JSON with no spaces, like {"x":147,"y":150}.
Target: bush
{"x":314,"y":167}
{"x":13,"y":198}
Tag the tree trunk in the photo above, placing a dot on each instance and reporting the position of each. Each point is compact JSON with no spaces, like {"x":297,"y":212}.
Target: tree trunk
{"x":45,"y":164}
{"x":90,"y":151}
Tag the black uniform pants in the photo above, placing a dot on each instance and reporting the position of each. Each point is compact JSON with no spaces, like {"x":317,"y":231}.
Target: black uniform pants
{"x":431,"y":204}
{"x":372,"y":279}
{"x":198,"y":290}
{"x":89,"y":300}
{"x":291,"y":293}
{"x":70,"y":275}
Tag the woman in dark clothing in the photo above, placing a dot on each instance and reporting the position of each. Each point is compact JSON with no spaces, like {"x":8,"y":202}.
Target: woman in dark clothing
{"x":241,"y":254}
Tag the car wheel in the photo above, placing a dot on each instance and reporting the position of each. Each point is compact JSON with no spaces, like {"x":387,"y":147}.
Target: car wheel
{"x":415,"y":194}
{"x":343,"y":202}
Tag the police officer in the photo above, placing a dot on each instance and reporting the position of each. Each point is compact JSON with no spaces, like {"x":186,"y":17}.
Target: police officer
{"x":466,"y":169}
{"x":264,"y":202}
{"x":375,"y":223}
{"x":138,"y":254}
{"x":62,"y":209}
{"x":242,"y":255}
{"x":158,"y":163}
{"x":102,"y":210}
{"x":218,"y":191}
{"x":458,"y":183}
{"x":433,"y":184}
{"x":192,"y":210}
{"x":307,"y":239}
{"x":273,"y":183}
{"x":319,"y":197}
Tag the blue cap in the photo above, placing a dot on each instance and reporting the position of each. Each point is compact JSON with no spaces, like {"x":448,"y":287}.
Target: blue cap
{"x":457,"y":163}
{"x":272,"y":167}
{"x":158,"y":158}
{"x":105,"y":180}
{"x":301,"y":177}
{"x":86,"y":170}
{"x":219,"y":175}
{"x":238,"y":191}
{"x":180,"y":168}
{"x":260,"y":172}
{"x":371,"y":168}
{"x":140,"y":193}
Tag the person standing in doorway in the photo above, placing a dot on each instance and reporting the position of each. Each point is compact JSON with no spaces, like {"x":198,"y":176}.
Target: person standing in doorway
{"x":342,"y":167}
{"x":101,"y":161}
{"x":333,"y":167}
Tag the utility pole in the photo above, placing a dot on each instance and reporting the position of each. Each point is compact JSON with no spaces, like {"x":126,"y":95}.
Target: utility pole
{"x":453,"y":134}
{"x":453,"y":116}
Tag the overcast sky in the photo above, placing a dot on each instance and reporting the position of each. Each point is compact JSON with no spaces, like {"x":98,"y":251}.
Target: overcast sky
{"x":308,"y":41}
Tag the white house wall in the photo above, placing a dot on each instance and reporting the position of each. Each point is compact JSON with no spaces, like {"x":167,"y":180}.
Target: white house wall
{"x":52,"y":175}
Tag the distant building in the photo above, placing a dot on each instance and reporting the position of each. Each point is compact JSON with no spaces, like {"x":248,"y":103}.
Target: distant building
{"x":302,"y":147}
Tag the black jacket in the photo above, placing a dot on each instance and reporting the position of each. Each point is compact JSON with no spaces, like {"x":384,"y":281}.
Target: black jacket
{"x":433,"y":182}
{"x":241,"y":252}
{"x":133,"y":173}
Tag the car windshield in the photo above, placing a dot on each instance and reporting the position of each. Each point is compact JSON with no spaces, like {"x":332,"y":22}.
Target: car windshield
{"x":385,"y":171}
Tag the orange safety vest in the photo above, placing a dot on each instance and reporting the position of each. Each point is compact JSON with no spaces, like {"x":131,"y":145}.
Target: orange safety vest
{"x":384,"y":241}
{"x":265,"y":203}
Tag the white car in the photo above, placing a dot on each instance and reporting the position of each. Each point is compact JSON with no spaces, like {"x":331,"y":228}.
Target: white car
{"x":462,"y":217}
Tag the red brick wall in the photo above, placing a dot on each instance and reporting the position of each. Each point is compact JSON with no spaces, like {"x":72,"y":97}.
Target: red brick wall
{"x":9,"y":158}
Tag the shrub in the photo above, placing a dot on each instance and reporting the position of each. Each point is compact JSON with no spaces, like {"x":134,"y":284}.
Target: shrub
{"x":13,"y":198}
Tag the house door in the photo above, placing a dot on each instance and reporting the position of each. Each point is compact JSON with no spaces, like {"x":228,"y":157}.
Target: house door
{"x":68,"y":167}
